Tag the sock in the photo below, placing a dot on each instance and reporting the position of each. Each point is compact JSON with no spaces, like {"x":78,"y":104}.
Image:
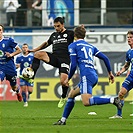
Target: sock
{"x":64,"y":91}
{"x":98,"y":101}
{"x":17,"y":91}
{"x":119,"y":111}
{"x":24,"y":96}
{"x":29,"y":94}
{"x":35,"y":65}
{"x":68,"y":108}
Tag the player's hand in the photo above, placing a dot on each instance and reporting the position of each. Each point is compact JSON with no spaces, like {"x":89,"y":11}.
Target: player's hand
{"x":118,"y":73}
{"x":66,"y":82}
{"x":111,"y":78}
{"x":8,"y":54}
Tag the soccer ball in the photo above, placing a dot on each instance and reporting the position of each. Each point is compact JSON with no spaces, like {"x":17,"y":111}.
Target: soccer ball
{"x":27,"y":72}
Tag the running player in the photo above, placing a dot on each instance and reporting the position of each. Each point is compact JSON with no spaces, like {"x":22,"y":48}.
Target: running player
{"x":81,"y":55}
{"x":7,"y":65}
{"x":25,"y":60}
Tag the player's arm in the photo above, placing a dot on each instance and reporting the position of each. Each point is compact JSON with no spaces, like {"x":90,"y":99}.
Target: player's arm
{"x":73,"y":66}
{"x":16,"y":52}
{"x":17,"y":65}
{"x":123,"y":69}
{"x":103,"y":57}
{"x":42,"y":46}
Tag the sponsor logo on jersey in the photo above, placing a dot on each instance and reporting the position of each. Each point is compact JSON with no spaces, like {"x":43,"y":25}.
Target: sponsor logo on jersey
{"x":1,"y":53}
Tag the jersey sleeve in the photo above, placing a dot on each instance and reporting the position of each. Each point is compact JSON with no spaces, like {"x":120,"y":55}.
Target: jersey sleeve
{"x":73,"y":58}
{"x":13,"y":43}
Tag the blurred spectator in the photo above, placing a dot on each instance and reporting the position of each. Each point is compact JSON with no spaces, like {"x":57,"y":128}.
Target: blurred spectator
{"x":37,"y":13}
{"x":22,"y":13}
{"x":11,"y":10}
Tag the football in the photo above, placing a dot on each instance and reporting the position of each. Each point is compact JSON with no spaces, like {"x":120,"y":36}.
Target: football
{"x":27,"y":72}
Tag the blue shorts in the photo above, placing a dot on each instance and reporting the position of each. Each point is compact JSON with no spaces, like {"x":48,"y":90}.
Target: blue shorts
{"x":87,"y":83}
{"x":11,"y":78}
{"x":25,"y":83}
{"x":128,"y":83}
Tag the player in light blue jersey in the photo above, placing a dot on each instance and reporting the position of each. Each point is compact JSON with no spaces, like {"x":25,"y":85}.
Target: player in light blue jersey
{"x":22,"y":61}
{"x":81,"y":55}
{"x":8,"y":49}
{"x":127,"y":85}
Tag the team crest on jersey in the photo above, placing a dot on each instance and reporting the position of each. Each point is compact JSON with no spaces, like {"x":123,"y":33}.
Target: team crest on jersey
{"x":65,"y":35}
{"x":1,"y":53}
{"x":26,"y":64}
{"x":70,"y":50}
{"x":3,"y":45}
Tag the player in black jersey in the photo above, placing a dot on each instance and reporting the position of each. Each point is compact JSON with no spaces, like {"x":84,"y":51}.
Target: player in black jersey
{"x":59,"y":57}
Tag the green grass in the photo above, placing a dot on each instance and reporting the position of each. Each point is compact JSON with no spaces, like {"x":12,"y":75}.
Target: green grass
{"x":39,"y":116}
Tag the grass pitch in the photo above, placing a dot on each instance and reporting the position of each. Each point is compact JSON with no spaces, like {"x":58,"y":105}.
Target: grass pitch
{"x":39,"y":117}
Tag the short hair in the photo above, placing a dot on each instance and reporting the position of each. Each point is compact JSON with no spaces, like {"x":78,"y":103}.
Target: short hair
{"x":2,"y":26}
{"x":80,"y":32}
{"x":59,"y":19}
{"x":25,"y":44}
{"x":130,"y":32}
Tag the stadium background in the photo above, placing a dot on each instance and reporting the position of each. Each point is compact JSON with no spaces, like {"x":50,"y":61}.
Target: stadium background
{"x":109,"y":21}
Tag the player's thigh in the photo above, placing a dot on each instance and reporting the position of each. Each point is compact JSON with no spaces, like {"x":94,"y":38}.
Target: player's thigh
{"x":42,"y":55}
{"x":24,"y":88}
{"x":30,"y":88}
{"x":74,"y":92}
{"x":53,"y":60}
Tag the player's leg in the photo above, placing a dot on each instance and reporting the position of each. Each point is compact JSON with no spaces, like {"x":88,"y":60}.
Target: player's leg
{"x":63,"y":77}
{"x":30,"y":90}
{"x":40,"y":55}
{"x":86,"y":93}
{"x":69,"y":106}
{"x":24,"y":95}
{"x":15,"y":87}
{"x":125,"y":88}
{"x":121,"y":95}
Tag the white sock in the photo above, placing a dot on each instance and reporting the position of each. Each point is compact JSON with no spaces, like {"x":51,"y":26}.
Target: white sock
{"x":112,"y":100}
{"x":63,"y":119}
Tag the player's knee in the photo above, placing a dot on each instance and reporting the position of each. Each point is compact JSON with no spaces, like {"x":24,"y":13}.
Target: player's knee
{"x":121,"y":95}
{"x":37,"y":55}
{"x":85,"y":103}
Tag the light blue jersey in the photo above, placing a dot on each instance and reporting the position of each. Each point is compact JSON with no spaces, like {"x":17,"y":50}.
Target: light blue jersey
{"x":82,"y":55}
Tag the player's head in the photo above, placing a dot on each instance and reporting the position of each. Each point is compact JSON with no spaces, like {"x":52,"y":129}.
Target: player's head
{"x":1,"y":30}
{"x":79,"y":32}
{"x":130,"y":38}
{"x":59,"y":24}
{"x":25,"y":48}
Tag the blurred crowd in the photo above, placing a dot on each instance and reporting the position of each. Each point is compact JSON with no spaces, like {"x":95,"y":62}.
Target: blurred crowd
{"x":16,"y":12}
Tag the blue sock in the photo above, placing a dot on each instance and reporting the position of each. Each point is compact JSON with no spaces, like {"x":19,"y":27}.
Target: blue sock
{"x":119,"y":111}
{"x":68,"y":107}
{"x":99,"y":101}
{"x":24,"y":96}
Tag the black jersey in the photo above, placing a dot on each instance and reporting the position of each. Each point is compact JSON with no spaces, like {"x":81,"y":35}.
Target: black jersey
{"x":60,"y":42}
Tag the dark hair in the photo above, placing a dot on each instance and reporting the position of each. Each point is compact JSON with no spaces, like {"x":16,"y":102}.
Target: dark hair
{"x":130,"y":32}
{"x":25,"y":44}
{"x":2,"y":26}
{"x":80,"y":32}
{"x":59,"y":19}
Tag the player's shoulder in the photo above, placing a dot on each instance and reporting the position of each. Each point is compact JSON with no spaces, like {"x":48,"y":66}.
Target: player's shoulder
{"x":6,"y":38}
{"x":69,"y":31}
